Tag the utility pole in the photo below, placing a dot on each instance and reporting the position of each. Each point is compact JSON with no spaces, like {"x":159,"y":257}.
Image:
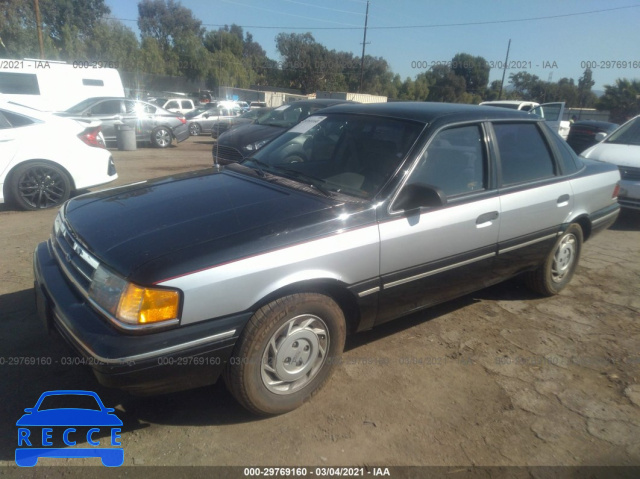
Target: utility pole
{"x":364,"y":44}
{"x":39,"y":26}
{"x":506,"y":62}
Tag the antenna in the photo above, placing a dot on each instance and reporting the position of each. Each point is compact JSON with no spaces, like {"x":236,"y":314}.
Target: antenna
{"x":364,"y":44}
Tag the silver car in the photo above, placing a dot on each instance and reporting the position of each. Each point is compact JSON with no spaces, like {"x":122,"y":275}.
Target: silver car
{"x":202,"y":119}
{"x":152,"y":124}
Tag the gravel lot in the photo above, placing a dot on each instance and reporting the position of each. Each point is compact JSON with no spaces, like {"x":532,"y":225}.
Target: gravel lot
{"x":500,"y":377}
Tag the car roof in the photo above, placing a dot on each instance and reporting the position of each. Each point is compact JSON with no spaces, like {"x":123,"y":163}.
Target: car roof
{"x":318,"y":101}
{"x":428,"y":112}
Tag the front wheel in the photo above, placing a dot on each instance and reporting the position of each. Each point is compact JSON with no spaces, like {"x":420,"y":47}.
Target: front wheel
{"x":38,"y":184}
{"x":286,"y":353}
{"x":161,"y":137}
{"x":561,"y":262}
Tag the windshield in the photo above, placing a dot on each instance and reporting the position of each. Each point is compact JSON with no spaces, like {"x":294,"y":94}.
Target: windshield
{"x":353,"y":155}
{"x":627,"y":134}
{"x":287,"y":116}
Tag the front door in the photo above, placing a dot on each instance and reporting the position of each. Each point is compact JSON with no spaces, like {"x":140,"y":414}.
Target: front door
{"x":433,"y":254}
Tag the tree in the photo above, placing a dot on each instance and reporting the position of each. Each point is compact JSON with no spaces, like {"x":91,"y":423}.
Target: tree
{"x":167,"y":22}
{"x":474,"y":70}
{"x":622,"y":100}
{"x":446,"y":86}
{"x":586,"y":98}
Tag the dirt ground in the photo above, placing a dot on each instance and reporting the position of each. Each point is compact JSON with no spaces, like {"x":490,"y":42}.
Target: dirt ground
{"x":499,"y":377}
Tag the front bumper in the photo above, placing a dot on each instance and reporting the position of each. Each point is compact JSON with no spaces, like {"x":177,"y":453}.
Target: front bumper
{"x":176,"y":359}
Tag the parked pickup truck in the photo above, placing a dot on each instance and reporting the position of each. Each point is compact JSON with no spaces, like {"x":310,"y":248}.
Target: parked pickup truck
{"x":356,"y":216}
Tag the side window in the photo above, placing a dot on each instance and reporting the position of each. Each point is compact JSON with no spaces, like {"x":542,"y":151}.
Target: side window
{"x":16,"y":121}
{"x":455,"y":162}
{"x":568,"y":159}
{"x":19,"y":83}
{"x":109,"y":107}
{"x":172,"y":104}
{"x":524,"y":155}
{"x":187,"y":105}
{"x":4,"y":123}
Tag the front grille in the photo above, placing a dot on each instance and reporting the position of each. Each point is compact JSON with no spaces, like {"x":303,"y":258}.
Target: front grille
{"x":226,"y":153}
{"x":629,"y":173}
{"x":77,"y":264}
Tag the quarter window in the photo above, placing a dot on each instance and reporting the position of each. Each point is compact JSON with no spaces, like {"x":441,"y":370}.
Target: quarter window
{"x":524,"y":155}
{"x":454,"y":162}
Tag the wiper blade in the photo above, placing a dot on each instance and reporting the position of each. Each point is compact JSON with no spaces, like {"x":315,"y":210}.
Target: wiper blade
{"x":259,"y":165}
{"x":308,"y":179}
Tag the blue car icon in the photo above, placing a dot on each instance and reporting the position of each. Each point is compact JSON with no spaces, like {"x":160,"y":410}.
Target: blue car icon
{"x":35,"y":429}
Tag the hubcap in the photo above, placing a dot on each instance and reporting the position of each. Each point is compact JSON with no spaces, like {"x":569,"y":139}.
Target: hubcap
{"x":41,"y":187}
{"x":163,"y":137}
{"x":295,"y":354}
{"x":564,"y":258}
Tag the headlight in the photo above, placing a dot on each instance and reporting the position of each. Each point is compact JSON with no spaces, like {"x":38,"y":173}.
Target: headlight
{"x":130,"y":303}
{"x":256,"y":146}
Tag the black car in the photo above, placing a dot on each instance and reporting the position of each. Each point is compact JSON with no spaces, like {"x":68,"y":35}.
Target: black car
{"x":225,"y":124}
{"x":259,"y":270}
{"x":245,"y":140}
{"x":582,"y":134}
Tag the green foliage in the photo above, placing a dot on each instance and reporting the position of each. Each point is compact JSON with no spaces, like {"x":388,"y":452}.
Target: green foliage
{"x":621,"y":99}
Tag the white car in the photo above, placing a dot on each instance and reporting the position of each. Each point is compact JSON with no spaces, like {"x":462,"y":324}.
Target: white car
{"x":176,"y":105}
{"x":622,"y":148}
{"x":551,"y":112}
{"x":44,"y":158}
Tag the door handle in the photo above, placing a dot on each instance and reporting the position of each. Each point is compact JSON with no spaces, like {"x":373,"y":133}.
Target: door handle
{"x":563,"y":200}
{"x":487,"y":217}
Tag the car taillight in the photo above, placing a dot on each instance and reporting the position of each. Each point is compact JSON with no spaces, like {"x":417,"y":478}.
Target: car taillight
{"x":616,"y":191}
{"x":92,"y":137}
{"x":182,"y":119}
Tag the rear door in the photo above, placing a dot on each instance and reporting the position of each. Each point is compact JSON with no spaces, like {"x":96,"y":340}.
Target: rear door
{"x":109,"y":112}
{"x":535,"y":197}
{"x":434,"y":254}
{"x":552,"y":114}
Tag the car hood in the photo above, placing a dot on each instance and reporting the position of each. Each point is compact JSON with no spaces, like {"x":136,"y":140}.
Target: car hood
{"x":166,"y":227}
{"x":244,"y":134}
{"x":620,"y":155}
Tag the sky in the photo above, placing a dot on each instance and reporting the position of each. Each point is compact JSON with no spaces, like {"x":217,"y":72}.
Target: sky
{"x":552,"y":39}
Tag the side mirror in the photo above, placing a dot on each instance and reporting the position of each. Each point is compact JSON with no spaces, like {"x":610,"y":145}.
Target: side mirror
{"x":420,"y":195}
{"x":600,"y":136}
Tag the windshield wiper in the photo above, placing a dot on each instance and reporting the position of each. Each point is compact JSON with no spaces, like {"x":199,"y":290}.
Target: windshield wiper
{"x":259,"y":165}
{"x":308,"y":179}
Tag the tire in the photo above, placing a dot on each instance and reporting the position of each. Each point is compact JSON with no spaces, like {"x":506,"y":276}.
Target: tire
{"x":286,"y":353}
{"x":161,"y":137}
{"x":38,"y":185}
{"x":560,"y":264}
{"x":194,"y":129}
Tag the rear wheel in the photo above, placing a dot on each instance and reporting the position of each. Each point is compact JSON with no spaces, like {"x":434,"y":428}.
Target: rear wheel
{"x":194,"y":129}
{"x":38,"y":185}
{"x":559,"y":266}
{"x":286,"y":353}
{"x":161,"y":137}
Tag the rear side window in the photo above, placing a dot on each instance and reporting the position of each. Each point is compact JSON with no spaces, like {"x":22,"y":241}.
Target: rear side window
{"x":109,"y":107}
{"x":186,"y":104}
{"x":568,"y":160}
{"x":524,"y":155}
{"x":14,"y":120}
{"x":19,"y":83}
{"x":172,"y":104}
{"x":455,"y":162}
